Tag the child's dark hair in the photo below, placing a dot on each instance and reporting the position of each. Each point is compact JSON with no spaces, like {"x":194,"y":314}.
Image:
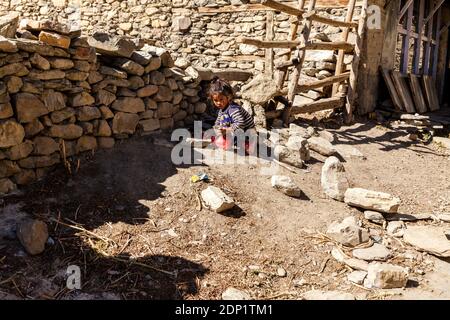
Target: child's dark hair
{"x":218,"y":85}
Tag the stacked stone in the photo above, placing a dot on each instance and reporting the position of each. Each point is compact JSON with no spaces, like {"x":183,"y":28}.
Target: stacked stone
{"x":59,"y":97}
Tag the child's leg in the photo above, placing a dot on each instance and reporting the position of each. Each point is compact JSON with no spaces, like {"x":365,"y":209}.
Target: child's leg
{"x":251,"y":142}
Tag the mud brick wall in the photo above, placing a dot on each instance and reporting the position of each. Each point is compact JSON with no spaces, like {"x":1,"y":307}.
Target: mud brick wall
{"x":206,"y":40}
{"x":60,"y":97}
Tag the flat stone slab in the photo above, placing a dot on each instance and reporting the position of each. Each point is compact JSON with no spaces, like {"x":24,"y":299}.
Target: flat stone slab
{"x":429,"y":239}
{"x":376,"y":252}
{"x":349,"y":152}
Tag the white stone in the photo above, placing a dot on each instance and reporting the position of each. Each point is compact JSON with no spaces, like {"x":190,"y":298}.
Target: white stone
{"x":348,"y":232}
{"x":286,"y":185}
{"x":396,"y":228}
{"x":333,"y":179}
{"x":327,"y":295}
{"x":299,"y":144}
{"x":320,"y":55}
{"x":386,"y":276}
{"x":288,"y":156}
{"x":247,"y":49}
{"x":235,"y":294}
{"x":357,"y":277}
{"x":372,"y":200}
{"x":374,"y":216}
{"x":376,"y":252}
{"x":321,"y":146}
{"x":216,"y":199}
{"x":429,"y":238}
{"x":348,"y":152}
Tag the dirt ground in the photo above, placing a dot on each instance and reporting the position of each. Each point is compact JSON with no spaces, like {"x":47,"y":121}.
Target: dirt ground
{"x":142,"y":233}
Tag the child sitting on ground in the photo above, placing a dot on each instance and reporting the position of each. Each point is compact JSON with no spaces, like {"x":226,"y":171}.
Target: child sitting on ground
{"x":232,"y":120}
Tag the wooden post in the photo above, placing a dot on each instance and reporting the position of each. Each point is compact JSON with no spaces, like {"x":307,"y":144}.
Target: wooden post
{"x":292,"y":36}
{"x":427,"y":50}
{"x":406,"y":40}
{"x":298,"y":68}
{"x":436,"y":47}
{"x":269,"y":37}
{"x":418,"y":43}
{"x":390,"y":35}
{"x":341,"y":55}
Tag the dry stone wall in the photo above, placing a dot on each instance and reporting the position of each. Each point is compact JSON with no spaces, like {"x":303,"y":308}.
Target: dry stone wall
{"x":206,"y":40}
{"x":67,"y":94}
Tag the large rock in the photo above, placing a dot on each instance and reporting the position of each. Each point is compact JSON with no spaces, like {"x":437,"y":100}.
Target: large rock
{"x":299,"y":144}
{"x":81,"y":99}
{"x":147,"y":91}
{"x":181,"y":23}
{"x":7,"y":186}
{"x":428,"y":238}
{"x":286,"y":185}
{"x":45,"y":146}
{"x":149,"y":124}
{"x":165,"y":57}
{"x":217,"y":200}
{"x":349,"y":152}
{"x":125,"y":123}
{"x":53,"y":100}
{"x":29,"y":107}
{"x":396,"y":228}
{"x":8,"y":168}
{"x":33,"y":235}
{"x":6,"y":111}
{"x":235,"y":294}
{"x":61,"y":63}
{"x":129,"y":104}
{"x":20,"y":151}
{"x":333,"y":179}
{"x":61,"y":115}
{"x":288,"y":156}
{"x":52,"y":74}
{"x":16,"y":68}
{"x":68,"y":131}
{"x":348,"y":232}
{"x":164,"y":94}
{"x":386,"y":276}
{"x":68,"y":28}
{"x":9,"y":24}
{"x":111,"y":45}
{"x":88,"y":113}
{"x":39,"y":62}
{"x":327,"y":295}
{"x":54,"y":39}
{"x":7,"y":45}
{"x":372,"y":200}
{"x":103,"y":129}
{"x":129,"y":66}
{"x":260,"y":90}
{"x":321,"y":146}
{"x":86,"y":143}
{"x":376,"y":252}
{"x":105,"y":97}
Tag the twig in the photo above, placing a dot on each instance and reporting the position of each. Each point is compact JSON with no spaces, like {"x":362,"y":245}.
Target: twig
{"x":143,"y":265}
{"x":284,"y":166}
{"x":125,"y":245}
{"x":76,"y":212}
{"x":107,"y":240}
{"x":17,"y":288}
{"x":360,"y":286}
{"x":117,"y":280}
{"x":199,"y":202}
{"x":323,"y":266}
{"x":78,"y":166}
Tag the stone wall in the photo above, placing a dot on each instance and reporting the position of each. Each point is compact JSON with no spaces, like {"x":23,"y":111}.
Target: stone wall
{"x":66,"y":94}
{"x":207,"y":40}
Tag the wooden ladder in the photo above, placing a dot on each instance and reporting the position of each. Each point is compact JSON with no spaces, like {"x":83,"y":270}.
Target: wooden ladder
{"x":301,"y":44}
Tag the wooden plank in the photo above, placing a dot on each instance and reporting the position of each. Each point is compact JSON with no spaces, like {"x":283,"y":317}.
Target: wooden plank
{"x":416,"y":88}
{"x":431,"y":93}
{"x":332,"y":22}
{"x":269,"y":44}
{"x":434,"y":10}
{"x":339,"y":45}
{"x":282,"y":7}
{"x":406,"y":40}
{"x":414,"y":35}
{"x":292,"y":87}
{"x":269,"y":51}
{"x":390,"y":35}
{"x":323,"y":83}
{"x":392,"y":89}
{"x":319,"y":105}
{"x":345,"y":34}
{"x":418,"y":42}
{"x":403,"y":91}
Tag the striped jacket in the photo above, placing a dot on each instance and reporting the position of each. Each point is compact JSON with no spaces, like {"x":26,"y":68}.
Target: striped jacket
{"x":235,"y":117}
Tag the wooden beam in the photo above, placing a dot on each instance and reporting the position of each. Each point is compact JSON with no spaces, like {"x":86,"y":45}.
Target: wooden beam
{"x":282,"y":7}
{"x":269,"y":44}
{"x":426,"y":64}
{"x":319,"y":105}
{"x":332,"y":22}
{"x":418,"y":42}
{"x":323,"y":83}
{"x":431,"y":93}
{"x":406,"y":40}
{"x":345,"y":34}
{"x":398,"y":104}
{"x":414,"y":35}
{"x":405,"y":7}
{"x":403,"y":91}
{"x":269,"y":37}
{"x":433,"y":11}
{"x":416,"y":90}
{"x":339,"y":45}
{"x":436,"y":48}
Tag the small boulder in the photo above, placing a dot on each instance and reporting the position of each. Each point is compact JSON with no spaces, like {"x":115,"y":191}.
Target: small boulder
{"x":348,"y":232}
{"x":33,"y":235}
{"x":286,"y":185}
{"x":235,"y":294}
{"x":216,"y":199}
{"x":376,"y":252}
{"x":372,"y":200}
{"x":333,"y":179}
{"x":386,"y":276}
